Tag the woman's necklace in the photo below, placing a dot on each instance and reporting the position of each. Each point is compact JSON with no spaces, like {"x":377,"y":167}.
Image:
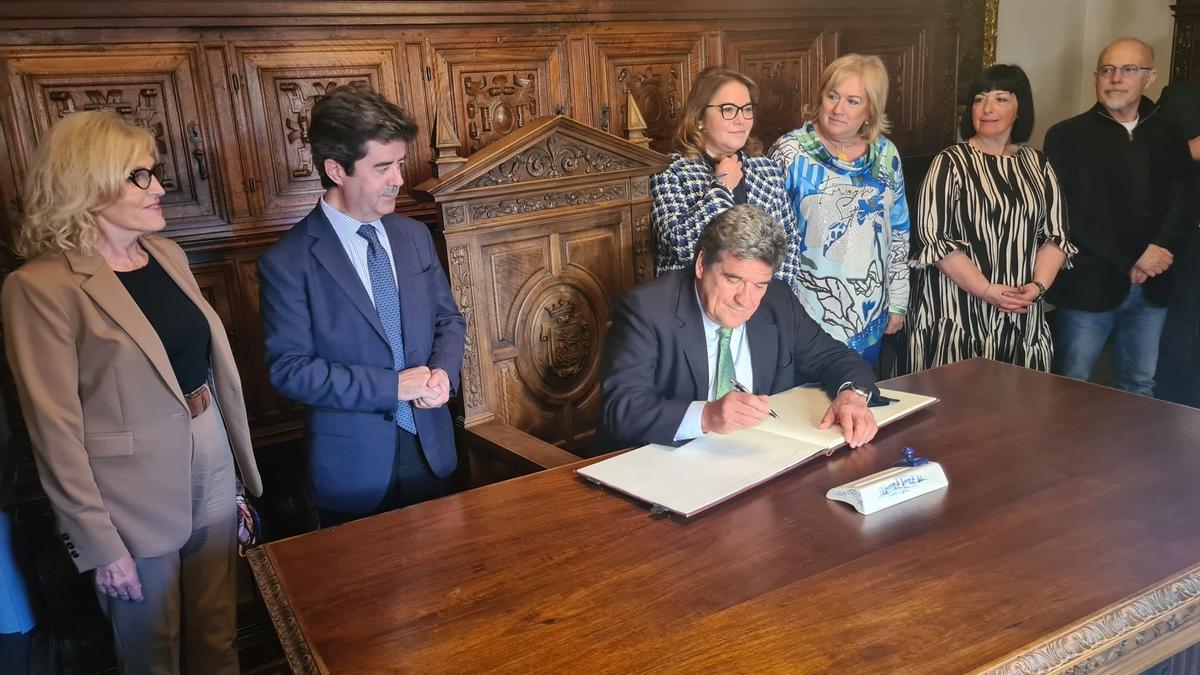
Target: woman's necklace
{"x":840,"y":151}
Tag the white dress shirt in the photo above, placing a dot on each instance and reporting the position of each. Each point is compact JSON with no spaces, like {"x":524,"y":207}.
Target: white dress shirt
{"x":689,"y":426}
{"x":356,"y":246}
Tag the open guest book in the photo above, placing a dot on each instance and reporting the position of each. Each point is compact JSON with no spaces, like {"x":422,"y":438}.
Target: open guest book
{"x":710,"y":469}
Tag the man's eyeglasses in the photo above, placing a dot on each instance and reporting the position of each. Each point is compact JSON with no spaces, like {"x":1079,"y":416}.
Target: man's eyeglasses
{"x":1128,"y":70}
{"x":730,"y":111}
{"x":141,"y":177}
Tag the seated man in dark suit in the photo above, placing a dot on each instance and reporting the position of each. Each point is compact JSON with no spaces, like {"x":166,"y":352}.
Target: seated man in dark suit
{"x":678,"y":344}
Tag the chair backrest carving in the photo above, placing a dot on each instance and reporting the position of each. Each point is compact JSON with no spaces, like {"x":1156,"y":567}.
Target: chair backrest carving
{"x":544,"y":231}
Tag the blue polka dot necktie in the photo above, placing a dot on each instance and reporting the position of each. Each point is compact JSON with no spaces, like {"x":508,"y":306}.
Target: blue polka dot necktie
{"x":387,"y":304}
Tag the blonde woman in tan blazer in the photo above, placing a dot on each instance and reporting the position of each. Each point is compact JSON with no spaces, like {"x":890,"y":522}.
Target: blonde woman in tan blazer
{"x":131,"y":397}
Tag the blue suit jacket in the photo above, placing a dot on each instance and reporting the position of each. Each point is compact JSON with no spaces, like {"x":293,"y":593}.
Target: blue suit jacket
{"x":326,"y":349}
{"x":656,"y":361}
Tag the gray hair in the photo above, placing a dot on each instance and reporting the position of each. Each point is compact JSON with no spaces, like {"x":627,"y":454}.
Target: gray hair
{"x":744,"y":231}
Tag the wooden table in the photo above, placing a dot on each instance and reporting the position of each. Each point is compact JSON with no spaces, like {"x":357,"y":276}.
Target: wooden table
{"x":1069,"y":538}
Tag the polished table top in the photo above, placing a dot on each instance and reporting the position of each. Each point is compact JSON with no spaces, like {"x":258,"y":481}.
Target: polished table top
{"x":1066,"y":539}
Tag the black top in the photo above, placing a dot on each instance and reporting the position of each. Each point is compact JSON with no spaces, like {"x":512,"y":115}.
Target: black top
{"x":177,"y":320}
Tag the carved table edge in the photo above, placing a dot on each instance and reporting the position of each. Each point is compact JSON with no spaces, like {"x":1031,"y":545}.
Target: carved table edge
{"x":291,"y":638}
{"x":1105,"y":639}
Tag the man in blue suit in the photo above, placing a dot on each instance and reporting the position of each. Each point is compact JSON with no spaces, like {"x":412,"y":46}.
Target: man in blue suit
{"x":359,"y":320}
{"x":678,"y":344}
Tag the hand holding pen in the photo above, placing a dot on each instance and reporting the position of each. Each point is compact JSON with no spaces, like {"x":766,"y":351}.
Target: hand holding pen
{"x":737,"y":409}
{"x":738,"y":386}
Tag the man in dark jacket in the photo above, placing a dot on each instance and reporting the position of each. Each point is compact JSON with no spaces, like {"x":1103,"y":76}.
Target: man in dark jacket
{"x":698,"y":350}
{"x":1124,"y":170}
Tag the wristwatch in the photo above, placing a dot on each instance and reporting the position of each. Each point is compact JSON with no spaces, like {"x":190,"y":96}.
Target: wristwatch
{"x":856,"y":388}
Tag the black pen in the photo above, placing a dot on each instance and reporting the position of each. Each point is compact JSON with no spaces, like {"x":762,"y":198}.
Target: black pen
{"x":738,"y":385}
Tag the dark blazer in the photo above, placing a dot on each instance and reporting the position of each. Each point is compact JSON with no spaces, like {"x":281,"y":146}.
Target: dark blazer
{"x":326,"y":349}
{"x":656,"y":362}
{"x":1122,"y":194}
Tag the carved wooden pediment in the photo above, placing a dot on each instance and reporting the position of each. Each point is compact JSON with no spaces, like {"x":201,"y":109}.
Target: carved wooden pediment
{"x":544,"y":230}
{"x":549,"y":148}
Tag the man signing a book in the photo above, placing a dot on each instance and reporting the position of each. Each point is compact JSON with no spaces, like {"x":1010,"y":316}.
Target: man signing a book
{"x":698,"y":350}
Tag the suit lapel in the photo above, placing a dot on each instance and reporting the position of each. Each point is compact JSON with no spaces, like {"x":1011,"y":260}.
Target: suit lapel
{"x":763,"y":335}
{"x":402,"y":248}
{"x":109,"y":294}
{"x":691,"y":332}
{"x":328,"y":251}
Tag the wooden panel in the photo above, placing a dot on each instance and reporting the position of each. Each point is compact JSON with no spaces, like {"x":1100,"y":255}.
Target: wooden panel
{"x":229,"y":119}
{"x":153,"y":87}
{"x":787,"y":67}
{"x":903,"y":49}
{"x":269,"y":412}
{"x":497,"y":85}
{"x":218,"y":281}
{"x":656,"y":68}
{"x":553,"y":285}
{"x":282,"y":84}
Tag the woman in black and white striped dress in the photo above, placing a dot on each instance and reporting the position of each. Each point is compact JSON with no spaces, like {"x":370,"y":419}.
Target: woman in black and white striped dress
{"x":991,"y":237}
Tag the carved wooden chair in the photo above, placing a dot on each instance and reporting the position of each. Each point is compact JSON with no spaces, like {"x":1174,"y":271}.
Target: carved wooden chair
{"x":543,"y":231}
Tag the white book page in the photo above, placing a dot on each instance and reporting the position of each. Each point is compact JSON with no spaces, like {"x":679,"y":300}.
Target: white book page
{"x":715,"y":467}
{"x":800,"y":411}
{"x":701,"y":473}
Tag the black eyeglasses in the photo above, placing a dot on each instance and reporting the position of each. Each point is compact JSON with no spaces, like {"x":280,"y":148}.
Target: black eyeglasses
{"x":141,"y":177}
{"x":730,"y":111}
{"x":1128,"y":70}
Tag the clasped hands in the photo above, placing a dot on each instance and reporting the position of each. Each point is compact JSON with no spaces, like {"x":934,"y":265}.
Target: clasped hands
{"x":1015,"y":299}
{"x":425,"y":387}
{"x":736,"y":410}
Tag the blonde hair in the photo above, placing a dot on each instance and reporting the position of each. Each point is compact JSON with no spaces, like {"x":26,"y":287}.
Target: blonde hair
{"x":689,"y":136}
{"x":79,"y":168}
{"x":875,"y":83}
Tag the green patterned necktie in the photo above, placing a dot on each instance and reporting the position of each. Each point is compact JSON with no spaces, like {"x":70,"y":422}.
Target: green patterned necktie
{"x":725,"y":372}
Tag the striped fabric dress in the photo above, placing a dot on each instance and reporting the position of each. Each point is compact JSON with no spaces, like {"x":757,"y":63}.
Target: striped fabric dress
{"x":998,"y":211}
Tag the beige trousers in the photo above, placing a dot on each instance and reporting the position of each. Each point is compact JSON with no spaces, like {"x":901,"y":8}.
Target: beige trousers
{"x":187,"y":621}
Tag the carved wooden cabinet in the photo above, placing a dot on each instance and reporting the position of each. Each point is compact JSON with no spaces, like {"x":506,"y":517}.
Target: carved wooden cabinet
{"x":542,"y":235}
{"x":157,"y":87}
{"x":656,"y":68}
{"x":282,"y":82}
{"x":497,"y":85}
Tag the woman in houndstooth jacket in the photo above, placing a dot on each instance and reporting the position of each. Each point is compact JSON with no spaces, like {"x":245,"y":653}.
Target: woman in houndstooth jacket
{"x":718,"y":165}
